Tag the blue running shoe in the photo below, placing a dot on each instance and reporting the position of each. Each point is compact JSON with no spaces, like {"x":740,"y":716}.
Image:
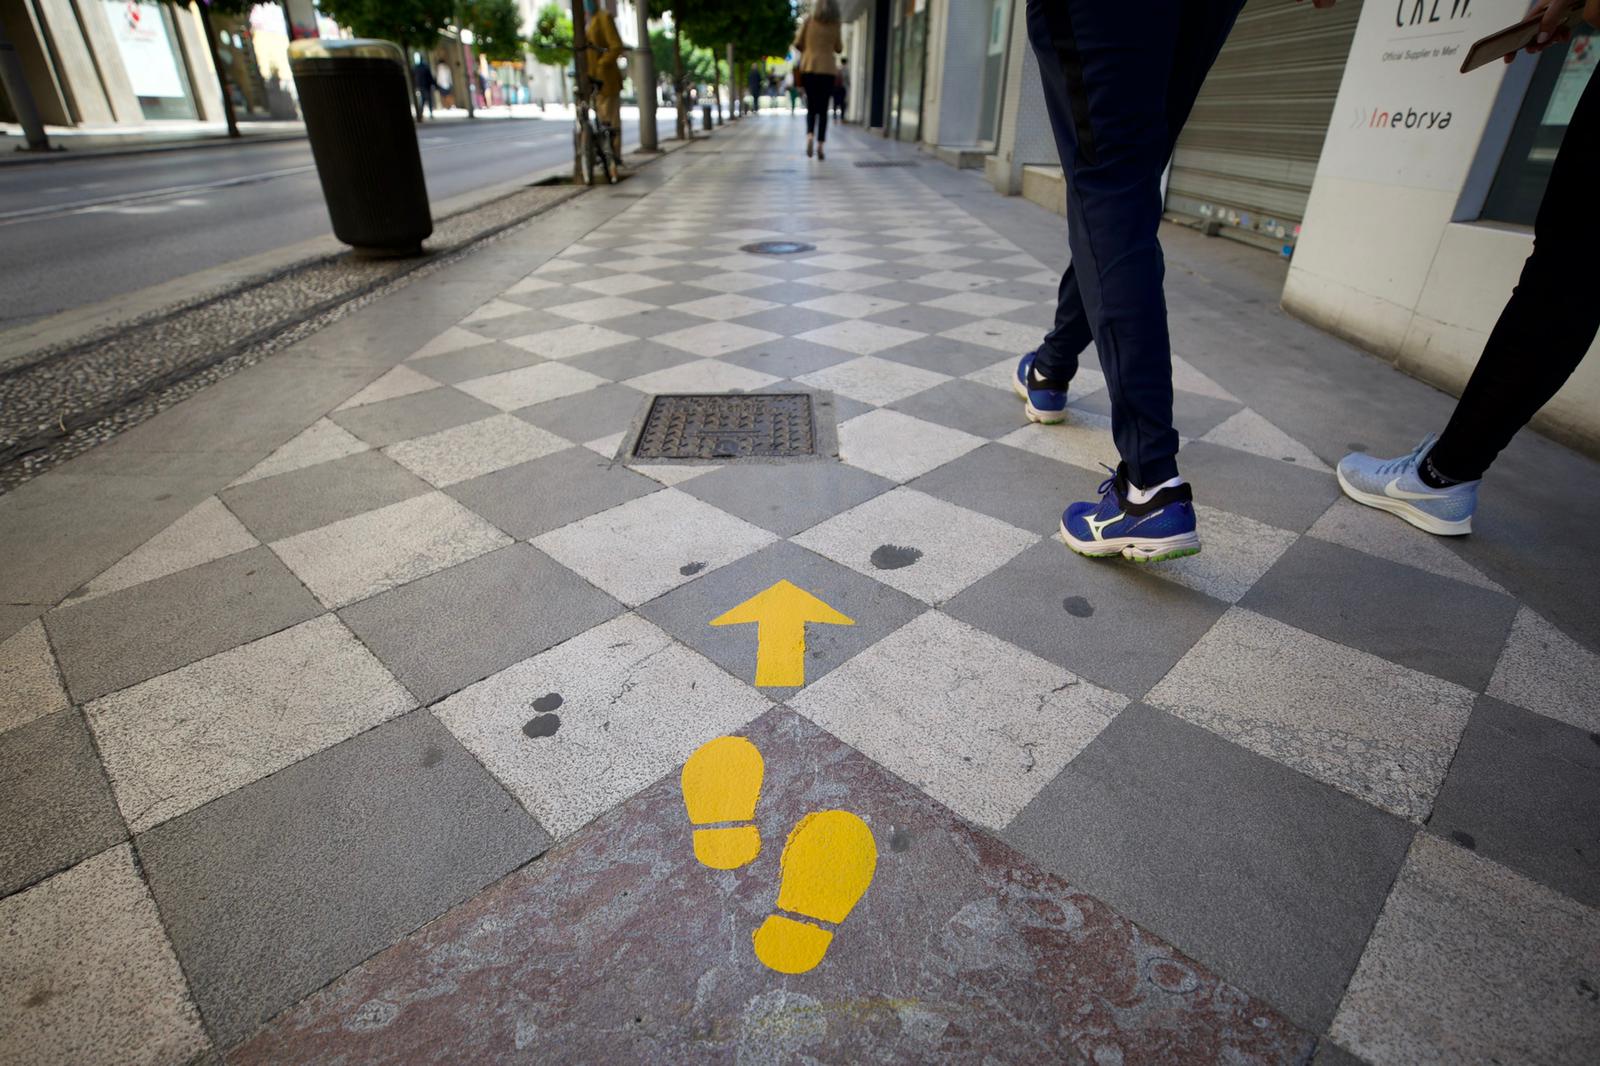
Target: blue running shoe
{"x":1393,"y":485}
{"x":1047,"y":406}
{"x":1163,"y":527}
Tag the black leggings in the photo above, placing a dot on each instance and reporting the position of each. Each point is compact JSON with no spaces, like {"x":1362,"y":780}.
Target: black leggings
{"x":1551,"y":319}
{"x":819,"y":93}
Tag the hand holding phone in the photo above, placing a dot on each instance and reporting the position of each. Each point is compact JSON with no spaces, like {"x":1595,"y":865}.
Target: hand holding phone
{"x":1548,"y":23}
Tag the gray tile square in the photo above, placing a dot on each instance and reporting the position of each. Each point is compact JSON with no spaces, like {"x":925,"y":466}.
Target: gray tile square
{"x":790,"y":292}
{"x":274,"y":890}
{"x":445,"y":631}
{"x":631,"y":360}
{"x":909,"y":292}
{"x":278,"y":507}
{"x":788,"y":320}
{"x":1264,"y":875}
{"x":475,"y":362}
{"x":55,"y":803}
{"x":786,"y":497}
{"x":965,"y":405}
{"x":588,"y":415}
{"x":1026,"y":489}
{"x":921,"y":317}
{"x":1192,"y":414}
{"x":1267,"y":490}
{"x":124,"y":637}
{"x":1435,"y":624}
{"x":1524,"y":790}
{"x":653,"y":322}
{"x":948,"y":356}
{"x":505,"y":327}
{"x":787,"y":357}
{"x":677,"y":292}
{"x":1104,"y":619}
{"x":536,"y":497}
{"x":876,"y":610}
{"x":390,"y":421}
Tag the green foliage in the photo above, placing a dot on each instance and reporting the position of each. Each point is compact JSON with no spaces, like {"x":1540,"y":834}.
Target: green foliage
{"x":698,"y":62}
{"x":496,"y":27}
{"x":409,"y":23}
{"x":551,"y":41}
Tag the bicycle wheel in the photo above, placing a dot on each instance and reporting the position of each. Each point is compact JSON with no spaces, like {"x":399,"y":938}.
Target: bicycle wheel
{"x":585,"y":151}
{"x":607,"y":157}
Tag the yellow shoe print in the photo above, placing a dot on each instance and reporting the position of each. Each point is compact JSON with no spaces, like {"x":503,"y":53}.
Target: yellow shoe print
{"x":828,"y":864}
{"x":721,"y":783}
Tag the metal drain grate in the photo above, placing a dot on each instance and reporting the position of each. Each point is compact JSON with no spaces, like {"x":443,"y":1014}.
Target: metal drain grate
{"x":777,"y":247}
{"x":762,"y":425}
{"x":887,"y":163}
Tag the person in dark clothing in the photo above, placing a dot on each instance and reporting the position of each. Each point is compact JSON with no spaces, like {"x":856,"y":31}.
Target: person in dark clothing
{"x":1542,"y":335}
{"x":841,"y":89}
{"x":819,"y":44}
{"x":422,"y":74}
{"x":755,"y":87}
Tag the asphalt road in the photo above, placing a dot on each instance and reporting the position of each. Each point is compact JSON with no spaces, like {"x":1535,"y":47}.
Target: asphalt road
{"x":74,"y":232}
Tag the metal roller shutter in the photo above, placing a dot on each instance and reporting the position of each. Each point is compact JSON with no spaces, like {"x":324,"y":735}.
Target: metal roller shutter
{"x":1244,"y":162}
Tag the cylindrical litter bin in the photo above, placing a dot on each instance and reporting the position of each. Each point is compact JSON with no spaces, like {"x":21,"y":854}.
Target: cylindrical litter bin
{"x":356,"y":99}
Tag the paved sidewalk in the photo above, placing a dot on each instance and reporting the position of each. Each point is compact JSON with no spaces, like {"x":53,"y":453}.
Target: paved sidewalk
{"x":344,"y":708}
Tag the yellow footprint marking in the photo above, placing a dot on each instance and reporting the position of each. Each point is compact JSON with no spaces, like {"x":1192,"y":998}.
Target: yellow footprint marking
{"x":721,"y":783}
{"x":828,"y":864}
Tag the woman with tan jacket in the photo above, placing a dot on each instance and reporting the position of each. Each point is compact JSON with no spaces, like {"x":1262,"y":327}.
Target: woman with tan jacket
{"x":818,"y":42}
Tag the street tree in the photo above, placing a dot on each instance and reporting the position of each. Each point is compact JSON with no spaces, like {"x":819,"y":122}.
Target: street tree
{"x":408,"y":23}
{"x":496,"y":27}
{"x":551,"y":39}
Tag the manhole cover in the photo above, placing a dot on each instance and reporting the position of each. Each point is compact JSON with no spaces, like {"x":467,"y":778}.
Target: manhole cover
{"x":728,"y":426}
{"x":777,"y":247}
{"x":887,"y":163}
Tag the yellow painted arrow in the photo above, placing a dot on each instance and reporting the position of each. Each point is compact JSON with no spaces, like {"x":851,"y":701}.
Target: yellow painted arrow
{"x":780,"y":614}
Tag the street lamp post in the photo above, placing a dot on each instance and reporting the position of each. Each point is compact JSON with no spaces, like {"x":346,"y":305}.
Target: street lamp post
{"x":644,"y":81}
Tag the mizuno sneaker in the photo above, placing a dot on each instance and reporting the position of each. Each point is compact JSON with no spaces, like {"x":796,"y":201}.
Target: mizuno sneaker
{"x":1393,"y":485}
{"x":1047,"y":406}
{"x":1163,"y":527}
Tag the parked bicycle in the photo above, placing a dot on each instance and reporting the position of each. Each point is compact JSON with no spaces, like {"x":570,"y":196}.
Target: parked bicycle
{"x":591,"y":140}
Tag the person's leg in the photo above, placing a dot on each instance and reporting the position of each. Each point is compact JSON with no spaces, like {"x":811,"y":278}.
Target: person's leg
{"x":809,"y":86}
{"x":1056,"y":360}
{"x":822,"y":94}
{"x":1551,"y":319}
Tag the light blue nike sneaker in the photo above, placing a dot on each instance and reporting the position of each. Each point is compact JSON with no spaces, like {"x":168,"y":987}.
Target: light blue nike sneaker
{"x":1393,"y":485}
{"x":1045,"y":406}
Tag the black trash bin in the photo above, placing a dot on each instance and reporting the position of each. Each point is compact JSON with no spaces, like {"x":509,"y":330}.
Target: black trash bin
{"x":356,"y":99}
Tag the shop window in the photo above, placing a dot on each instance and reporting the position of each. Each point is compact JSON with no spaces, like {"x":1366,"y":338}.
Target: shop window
{"x":1558,"y":81}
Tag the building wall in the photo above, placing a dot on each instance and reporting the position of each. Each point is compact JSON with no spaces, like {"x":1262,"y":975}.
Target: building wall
{"x":1024,"y":137}
{"x":961,"y":35}
{"x":1391,"y":255}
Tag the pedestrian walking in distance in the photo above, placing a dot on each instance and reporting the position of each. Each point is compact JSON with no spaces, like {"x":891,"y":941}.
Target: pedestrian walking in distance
{"x":755,"y":88}
{"x":1118,"y":90}
{"x":422,"y":74}
{"x":819,"y":44}
{"x":1539,"y":340}
{"x":841,"y":88}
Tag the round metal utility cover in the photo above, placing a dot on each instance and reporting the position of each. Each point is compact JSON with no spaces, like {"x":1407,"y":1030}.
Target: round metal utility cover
{"x":778,"y":247}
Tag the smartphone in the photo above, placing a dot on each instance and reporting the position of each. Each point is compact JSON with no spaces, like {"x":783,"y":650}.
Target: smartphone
{"x":1512,"y":39}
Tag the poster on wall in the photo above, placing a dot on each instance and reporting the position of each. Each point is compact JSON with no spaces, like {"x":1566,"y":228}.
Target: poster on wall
{"x":998,"y":24}
{"x":302,"y":19}
{"x":1406,"y":115}
{"x":141,"y":37}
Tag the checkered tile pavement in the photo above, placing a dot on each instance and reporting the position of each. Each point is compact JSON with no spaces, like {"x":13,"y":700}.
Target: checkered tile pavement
{"x":1322,"y":757}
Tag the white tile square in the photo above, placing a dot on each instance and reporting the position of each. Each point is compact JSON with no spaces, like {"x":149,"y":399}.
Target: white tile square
{"x":369,"y":553}
{"x":723,"y":307}
{"x":88,"y":976}
{"x":496,"y":308}
{"x":320,"y":442}
{"x":900,"y":447}
{"x":850,"y":304}
{"x":940,"y":261}
{"x":208,"y":532}
{"x":30,"y":682}
{"x":1236,"y":551}
{"x":701,"y":375}
{"x":926,"y":244}
{"x":995,"y":333}
{"x":873,"y":380}
{"x":1472,"y":963}
{"x":477,"y":448}
{"x":740,"y":261}
{"x":1355,"y":721}
{"x":1000,"y":375}
{"x":568,"y":341}
{"x":454,"y":339}
{"x":619,"y":284}
{"x":529,"y":285}
{"x":840,"y":261}
{"x":558,"y":266}
{"x":600,"y":309}
{"x":940,"y":548}
{"x":638,"y":550}
{"x":977,"y":304}
{"x":177,"y":741}
{"x":1548,"y":672}
{"x":1084,"y":439}
{"x":733,"y":281}
{"x":393,"y":384}
{"x":715,"y":338}
{"x":860,"y":337}
{"x":1370,"y":530}
{"x":845,"y":280}
{"x":977,"y":723}
{"x":641,"y":264}
{"x":526,"y":385}
{"x":634,"y":705}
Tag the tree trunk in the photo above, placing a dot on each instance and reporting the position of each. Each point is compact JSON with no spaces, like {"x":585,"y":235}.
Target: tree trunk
{"x":716,"y":84}
{"x":580,"y":67}
{"x":216,"y":62}
{"x":735,"y":100}
{"x":644,"y":82}
{"x":685,"y":121}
